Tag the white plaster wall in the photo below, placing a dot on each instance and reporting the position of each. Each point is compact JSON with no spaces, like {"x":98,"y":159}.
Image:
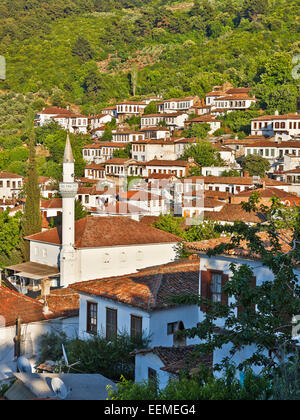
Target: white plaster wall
{"x":188,"y":314}
{"x":123,"y":316}
{"x":93,"y":263}
{"x":149,"y":360}
{"x":31,"y":337}
{"x":44,"y":253}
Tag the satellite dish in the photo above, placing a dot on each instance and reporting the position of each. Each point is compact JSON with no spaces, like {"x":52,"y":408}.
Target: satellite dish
{"x":67,"y":360}
{"x":24,"y":365}
{"x":59,"y":388}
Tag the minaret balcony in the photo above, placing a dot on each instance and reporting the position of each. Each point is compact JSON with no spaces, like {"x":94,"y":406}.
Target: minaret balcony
{"x":68,"y":189}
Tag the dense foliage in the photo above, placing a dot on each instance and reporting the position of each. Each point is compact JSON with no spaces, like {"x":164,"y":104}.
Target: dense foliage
{"x":110,"y":358}
{"x":76,"y":55}
{"x":203,"y":387}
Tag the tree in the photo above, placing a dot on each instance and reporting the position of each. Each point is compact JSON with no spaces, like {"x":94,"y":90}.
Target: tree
{"x":199,"y":131}
{"x":202,"y":387}
{"x":255,"y":165}
{"x":123,"y":153}
{"x":82,"y":49}
{"x":171,"y":224}
{"x":10,"y":237}
{"x":204,"y":154}
{"x":31,"y":220}
{"x":151,"y":108}
{"x":252,"y":8}
{"x":230,"y":172}
{"x":201,"y":232}
{"x":134,"y":78}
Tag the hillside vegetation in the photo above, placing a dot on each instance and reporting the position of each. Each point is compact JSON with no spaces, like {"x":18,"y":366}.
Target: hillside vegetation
{"x":85,"y":52}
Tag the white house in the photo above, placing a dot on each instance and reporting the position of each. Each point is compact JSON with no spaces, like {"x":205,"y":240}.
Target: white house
{"x":74,"y":123}
{"x":180,"y":104}
{"x":60,"y":314}
{"x":127,"y":136}
{"x":129,"y":109}
{"x":136,"y":303}
{"x":10,"y":185}
{"x":174,"y":120}
{"x":276,"y":153}
{"x":100,"y":152}
{"x":97,"y":121}
{"x":282,"y":126}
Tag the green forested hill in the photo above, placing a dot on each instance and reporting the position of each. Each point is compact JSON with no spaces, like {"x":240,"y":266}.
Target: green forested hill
{"x":86,"y":51}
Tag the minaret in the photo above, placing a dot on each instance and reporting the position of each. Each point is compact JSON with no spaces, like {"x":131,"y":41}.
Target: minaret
{"x":68,"y":190}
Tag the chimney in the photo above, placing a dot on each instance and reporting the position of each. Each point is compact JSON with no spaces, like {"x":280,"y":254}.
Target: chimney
{"x":276,"y":112}
{"x":45,"y":288}
{"x":246,"y":174}
{"x":46,"y":308}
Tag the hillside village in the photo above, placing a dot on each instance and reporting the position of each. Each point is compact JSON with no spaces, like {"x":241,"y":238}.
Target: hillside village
{"x":172,"y":234}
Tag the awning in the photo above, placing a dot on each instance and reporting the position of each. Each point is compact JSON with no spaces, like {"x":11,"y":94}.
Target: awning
{"x":32,"y":270}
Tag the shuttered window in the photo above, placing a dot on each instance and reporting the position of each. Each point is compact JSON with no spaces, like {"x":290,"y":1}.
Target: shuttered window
{"x":212,"y":284}
{"x":92,"y":317}
{"x":136,"y":326}
{"x":111,"y":323}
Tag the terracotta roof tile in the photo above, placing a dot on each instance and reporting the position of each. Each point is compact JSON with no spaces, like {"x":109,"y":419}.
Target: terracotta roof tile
{"x":235,"y":212}
{"x":150,"y":288}
{"x":94,"y":232}
{"x":181,"y":358}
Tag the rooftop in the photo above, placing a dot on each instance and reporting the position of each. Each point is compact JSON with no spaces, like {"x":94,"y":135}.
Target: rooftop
{"x":180,"y":358}
{"x":95,"y":232}
{"x":148,"y":289}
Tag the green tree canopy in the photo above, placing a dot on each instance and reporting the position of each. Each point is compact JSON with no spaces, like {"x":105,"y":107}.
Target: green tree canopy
{"x":255,"y":165}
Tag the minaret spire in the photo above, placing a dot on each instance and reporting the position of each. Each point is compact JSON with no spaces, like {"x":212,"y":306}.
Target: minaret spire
{"x":68,"y":190}
{"x":68,"y":156}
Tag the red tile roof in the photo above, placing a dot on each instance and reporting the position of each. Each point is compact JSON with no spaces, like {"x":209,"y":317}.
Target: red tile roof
{"x":150,"y":288}
{"x":14,"y":305}
{"x":242,"y":250}
{"x":177,"y":359}
{"x":101,"y":144}
{"x":54,"y":203}
{"x":171,"y":163}
{"x":277,"y":117}
{"x":95,"y":232}
{"x":235,"y":212}
{"x":55,"y":111}
{"x":8,"y":175}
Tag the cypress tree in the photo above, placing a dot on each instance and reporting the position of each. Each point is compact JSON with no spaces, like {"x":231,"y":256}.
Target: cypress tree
{"x":31,"y":220}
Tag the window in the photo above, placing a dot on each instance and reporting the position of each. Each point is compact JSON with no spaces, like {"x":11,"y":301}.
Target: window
{"x":216,"y":287}
{"x":212,"y":283}
{"x":152,"y":374}
{"x":136,"y":326}
{"x":171,"y":328}
{"x":111,"y":323}
{"x":92,"y":317}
